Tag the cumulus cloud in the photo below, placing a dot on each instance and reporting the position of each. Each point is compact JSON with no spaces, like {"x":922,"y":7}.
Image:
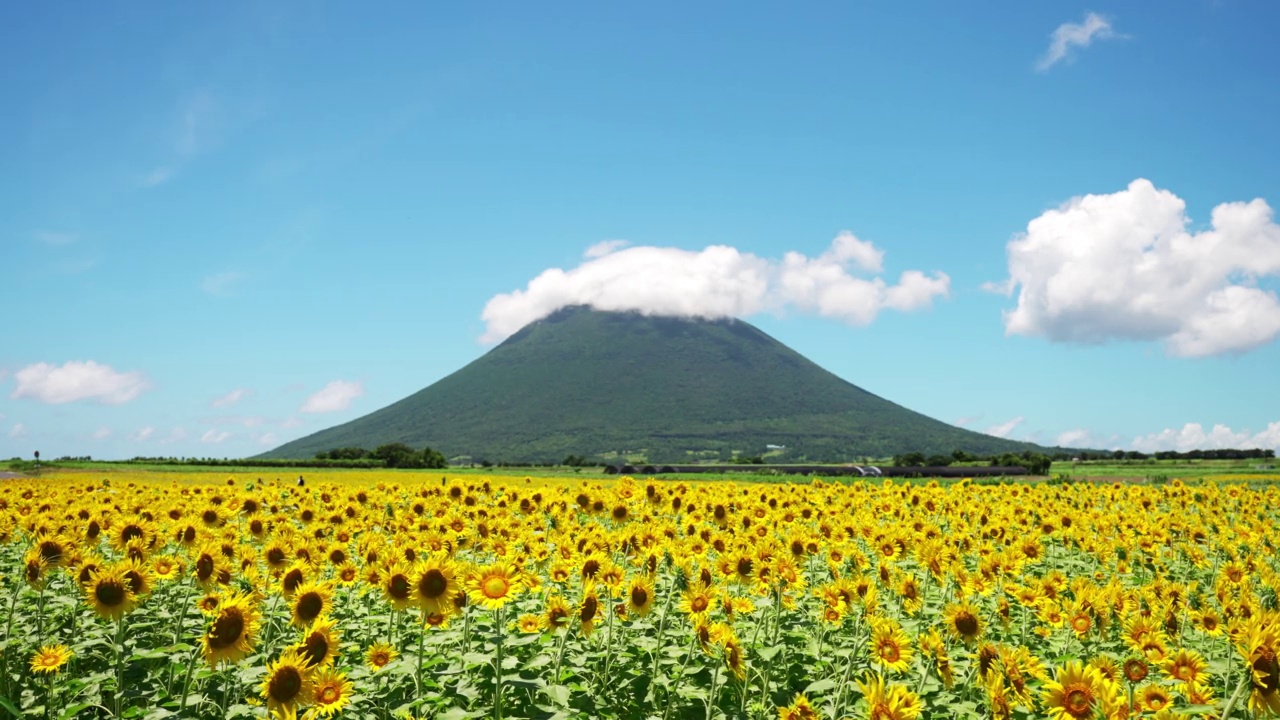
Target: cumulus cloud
{"x":223,"y":283}
{"x":1125,"y":266}
{"x":1075,"y":35}
{"x":268,"y":439}
{"x":18,"y":431}
{"x":717,"y":282}
{"x":102,"y":433}
{"x":231,"y":398}
{"x":604,"y":247}
{"x":1003,"y":429}
{"x":1073,"y":438}
{"x":143,"y":434}
{"x":75,"y":380}
{"x":333,"y":397}
{"x":214,"y":436}
{"x":1193,"y":436}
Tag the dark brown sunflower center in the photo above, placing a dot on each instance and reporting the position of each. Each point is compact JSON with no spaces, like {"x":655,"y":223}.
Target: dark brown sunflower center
{"x":292,"y":580}
{"x":433,"y":584}
{"x":399,"y":587}
{"x":556,"y":617}
{"x":639,"y":596}
{"x":136,"y":581}
{"x":285,"y":685}
{"x":50,"y":551}
{"x":966,"y":624}
{"x":275,"y":556}
{"x":589,"y":607}
{"x":310,"y":605}
{"x":110,"y":593}
{"x":130,"y":532}
{"x":316,"y":648}
{"x":204,"y":567}
{"x":745,"y":566}
{"x":226,"y":630}
{"x":1267,"y":669}
{"x":329,"y":695}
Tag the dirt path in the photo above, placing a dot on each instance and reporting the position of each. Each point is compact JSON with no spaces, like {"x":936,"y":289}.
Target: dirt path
{"x":9,"y":475}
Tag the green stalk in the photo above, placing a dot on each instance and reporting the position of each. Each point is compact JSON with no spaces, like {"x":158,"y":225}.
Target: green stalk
{"x":186,"y":680}
{"x":564,"y":636}
{"x":662,"y":626}
{"x":711,"y":695}
{"x":1246,"y":682}
{"x":422,"y":636}
{"x":119,"y":689}
{"x":177,"y":633}
{"x":675,"y":691}
{"x":497,"y":668}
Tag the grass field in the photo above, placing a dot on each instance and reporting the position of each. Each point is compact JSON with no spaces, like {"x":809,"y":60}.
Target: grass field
{"x":379,"y":594}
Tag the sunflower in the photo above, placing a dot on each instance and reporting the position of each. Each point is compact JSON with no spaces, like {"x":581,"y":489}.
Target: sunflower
{"x":697,"y":600}
{"x":295,"y":577}
{"x":529,"y":623}
{"x":640,"y":596}
{"x":138,"y":574}
{"x":34,"y":569}
{"x":495,"y":585}
{"x":232,"y":631}
{"x":435,"y":585}
{"x":1187,"y":666}
{"x":1078,"y":692}
{"x":588,"y":610}
{"x":397,"y":586}
{"x":53,"y":549}
{"x":320,"y":644}
{"x":289,"y":685}
{"x":50,"y":659}
{"x":1258,"y":642}
{"x":799,"y":709}
{"x":379,"y":655}
{"x":1154,"y":698}
{"x":332,"y":692}
{"x":1136,"y":670}
{"x":888,"y":702}
{"x":963,"y":622}
{"x":556,"y":615}
{"x":209,"y":603}
{"x":109,"y":594}
{"x":890,"y":646}
{"x":165,"y":567}
{"x":311,"y":602}
{"x":735,"y":658}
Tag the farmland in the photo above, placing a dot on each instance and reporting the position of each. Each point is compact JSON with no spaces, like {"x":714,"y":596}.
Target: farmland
{"x":381,"y":594}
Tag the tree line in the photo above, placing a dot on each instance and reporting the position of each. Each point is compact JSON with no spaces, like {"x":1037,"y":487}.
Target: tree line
{"x":391,"y":455}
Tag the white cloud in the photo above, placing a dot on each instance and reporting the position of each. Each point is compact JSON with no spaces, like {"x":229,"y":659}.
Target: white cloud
{"x":333,"y":397}
{"x":158,"y":176}
{"x":143,"y":434}
{"x":1073,"y":438}
{"x":268,"y":439}
{"x":604,"y":247}
{"x":292,"y":422}
{"x":175,"y":435}
{"x":214,"y":436}
{"x":223,"y":283}
{"x":102,"y":433}
{"x":967,"y":420}
{"x":1125,"y":267}
{"x":231,"y":398}
{"x":48,"y":237}
{"x":18,"y":431}
{"x":77,"y":380}
{"x":1073,"y":35}
{"x":1003,"y":429}
{"x":717,"y":282}
{"x":1193,"y":436}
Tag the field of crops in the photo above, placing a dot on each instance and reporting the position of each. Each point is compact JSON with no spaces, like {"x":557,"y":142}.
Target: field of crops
{"x":388,"y":595}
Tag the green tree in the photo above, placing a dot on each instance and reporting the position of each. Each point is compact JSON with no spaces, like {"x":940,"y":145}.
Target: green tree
{"x":433,"y":459}
{"x":398,"y":455}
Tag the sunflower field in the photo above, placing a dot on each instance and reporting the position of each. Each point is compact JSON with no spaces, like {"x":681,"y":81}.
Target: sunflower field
{"x":384,"y":595}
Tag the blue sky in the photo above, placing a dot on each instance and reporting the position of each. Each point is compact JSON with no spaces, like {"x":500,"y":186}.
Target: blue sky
{"x":228,"y":226}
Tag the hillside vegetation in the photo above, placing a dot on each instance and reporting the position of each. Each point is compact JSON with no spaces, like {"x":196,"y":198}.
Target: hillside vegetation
{"x":621,"y":385}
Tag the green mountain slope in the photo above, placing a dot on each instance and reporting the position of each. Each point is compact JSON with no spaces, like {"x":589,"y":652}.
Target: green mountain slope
{"x":670,"y":389}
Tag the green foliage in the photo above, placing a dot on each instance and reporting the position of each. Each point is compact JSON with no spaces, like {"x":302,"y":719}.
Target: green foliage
{"x":592,"y":383}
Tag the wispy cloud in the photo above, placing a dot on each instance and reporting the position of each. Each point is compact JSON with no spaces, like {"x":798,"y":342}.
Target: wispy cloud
{"x":1003,"y":429}
{"x":143,"y":434}
{"x":192,"y":132}
{"x":232,"y":398}
{"x":102,"y":433}
{"x":18,"y":431}
{"x":292,"y":422}
{"x":75,"y":380}
{"x":1069,"y":36}
{"x":214,"y":436}
{"x":222,"y":284}
{"x":48,"y":237}
{"x":268,"y":439}
{"x":333,"y":397}
{"x":604,"y":247}
{"x":967,"y":420}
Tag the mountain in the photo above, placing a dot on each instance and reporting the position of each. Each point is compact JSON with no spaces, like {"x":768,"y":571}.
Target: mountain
{"x":615,"y":384}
